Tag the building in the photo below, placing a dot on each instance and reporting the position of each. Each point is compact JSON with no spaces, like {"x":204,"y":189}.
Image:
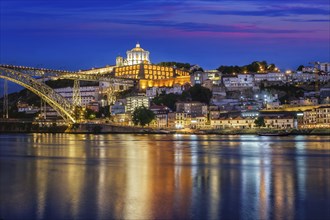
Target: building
{"x":270,"y":77}
{"x":325,"y":67}
{"x":323,"y":116}
{"x":150,"y":75}
{"x":182,"y":120}
{"x":250,"y":113}
{"x":154,"y":91}
{"x":135,"y":56}
{"x":198,"y":122}
{"x":117,"y":108}
{"x":279,"y":122}
{"x":238,"y":81}
{"x":309,"y":69}
{"x":304,"y":101}
{"x":192,"y":108}
{"x":171,"y":120}
{"x":94,"y":106}
{"x":325,"y":95}
{"x":137,"y":66}
{"x":232,"y":123}
{"x":161,"y":114}
{"x":316,"y":118}
{"x":304,"y":77}
{"x":133,"y":102}
{"x":200,"y":77}
{"x":88,"y":94}
{"x":124,"y":119}
{"x":26,"y":108}
{"x":214,"y":112}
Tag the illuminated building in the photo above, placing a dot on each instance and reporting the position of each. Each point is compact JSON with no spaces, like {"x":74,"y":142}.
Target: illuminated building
{"x":316,"y":118}
{"x":238,"y":81}
{"x":150,"y":75}
{"x":200,"y":77}
{"x":135,"y":56}
{"x":278,"y":122}
{"x":133,"y":102}
{"x":234,"y":123}
{"x":138,"y":66}
{"x":192,"y":108}
{"x":161,"y":115}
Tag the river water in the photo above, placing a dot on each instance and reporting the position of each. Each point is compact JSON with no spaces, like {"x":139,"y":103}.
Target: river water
{"x":130,"y":176}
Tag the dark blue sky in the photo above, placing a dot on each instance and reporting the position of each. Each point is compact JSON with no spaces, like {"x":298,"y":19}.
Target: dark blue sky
{"x":82,"y":34}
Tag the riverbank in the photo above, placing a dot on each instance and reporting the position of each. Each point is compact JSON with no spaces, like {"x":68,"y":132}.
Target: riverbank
{"x":16,"y":126}
{"x":315,"y":131}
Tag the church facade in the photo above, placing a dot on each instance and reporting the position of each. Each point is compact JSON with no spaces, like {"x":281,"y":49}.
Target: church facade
{"x":135,"y":56}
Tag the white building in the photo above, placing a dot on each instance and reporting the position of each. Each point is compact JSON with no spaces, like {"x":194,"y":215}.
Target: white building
{"x":133,"y":102}
{"x":154,"y":91}
{"x":200,"y":77}
{"x":88,"y":94}
{"x":270,"y":77}
{"x":304,"y":77}
{"x":283,"y":122}
{"x":324,"y":67}
{"x":233,"y":123}
{"x":135,"y":56}
{"x":240,"y":80}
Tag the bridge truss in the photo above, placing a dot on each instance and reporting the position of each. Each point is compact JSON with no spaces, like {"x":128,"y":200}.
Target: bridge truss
{"x":55,"y":100}
{"x":28,"y":78}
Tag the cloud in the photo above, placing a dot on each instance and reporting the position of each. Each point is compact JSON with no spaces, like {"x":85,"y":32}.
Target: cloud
{"x":272,"y":11}
{"x":203,"y":27}
{"x":309,"y":20}
{"x":184,"y":16}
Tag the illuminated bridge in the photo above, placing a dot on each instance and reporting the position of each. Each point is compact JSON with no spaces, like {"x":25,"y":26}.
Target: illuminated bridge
{"x":28,"y":77}
{"x":143,"y":75}
{"x":135,"y":70}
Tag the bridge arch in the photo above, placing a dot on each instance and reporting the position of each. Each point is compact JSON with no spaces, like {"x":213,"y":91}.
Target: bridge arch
{"x":55,"y":100}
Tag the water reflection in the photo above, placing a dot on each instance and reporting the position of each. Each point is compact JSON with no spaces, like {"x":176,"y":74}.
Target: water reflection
{"x":63,"y":176}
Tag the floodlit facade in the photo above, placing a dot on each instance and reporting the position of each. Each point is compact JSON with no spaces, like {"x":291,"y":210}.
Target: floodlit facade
{"x":135,"y":56}
{"x":233,"y":123}
{"x":137,"y":65}
{"x":316,"y":118}
{"x":133,"y":102}
{"x":279,"y":122}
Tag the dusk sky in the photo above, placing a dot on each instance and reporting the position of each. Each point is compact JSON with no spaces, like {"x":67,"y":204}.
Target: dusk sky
{"x":84,"y":34}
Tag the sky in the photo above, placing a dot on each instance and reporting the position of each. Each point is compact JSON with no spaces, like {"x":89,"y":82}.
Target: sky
{"x":73,"y":35}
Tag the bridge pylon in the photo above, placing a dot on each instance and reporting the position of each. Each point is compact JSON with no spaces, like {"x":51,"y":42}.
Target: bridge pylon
{"x":5,"y":99}
{"x":76,"y":97}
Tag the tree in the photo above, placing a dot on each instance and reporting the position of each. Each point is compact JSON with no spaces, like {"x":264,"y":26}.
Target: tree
{"x":200,"y":93}
{"x":168,"y":100}
{"x":178,"y":65}
{"x":260,"y":122}
{"x":142,"y":116}
{"x":300,"y":68}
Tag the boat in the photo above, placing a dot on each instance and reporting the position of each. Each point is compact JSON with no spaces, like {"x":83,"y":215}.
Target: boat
{"x":277,"y":133}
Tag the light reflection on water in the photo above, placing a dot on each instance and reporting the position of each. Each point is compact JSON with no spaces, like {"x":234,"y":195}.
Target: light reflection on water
{"x":62,"y":176}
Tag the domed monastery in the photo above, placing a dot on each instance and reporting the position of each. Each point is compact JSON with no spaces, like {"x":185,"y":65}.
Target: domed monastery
{"x":137,"y":65}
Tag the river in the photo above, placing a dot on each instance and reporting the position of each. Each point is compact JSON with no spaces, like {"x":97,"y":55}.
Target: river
{"x":132,"y":176}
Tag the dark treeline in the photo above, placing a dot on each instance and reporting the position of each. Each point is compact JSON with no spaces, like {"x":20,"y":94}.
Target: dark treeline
{"x":254,"y":67}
